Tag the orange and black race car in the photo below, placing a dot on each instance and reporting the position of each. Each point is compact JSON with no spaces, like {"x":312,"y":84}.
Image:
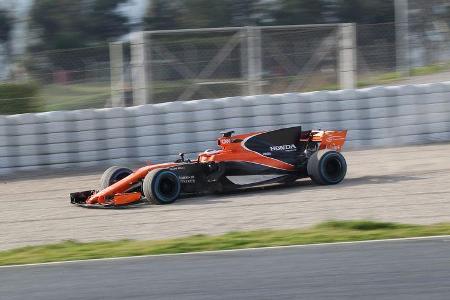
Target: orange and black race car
{"x":284,"y":155}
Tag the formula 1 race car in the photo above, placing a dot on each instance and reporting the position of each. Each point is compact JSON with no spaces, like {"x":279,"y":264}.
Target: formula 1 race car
{"x":285,"y":154}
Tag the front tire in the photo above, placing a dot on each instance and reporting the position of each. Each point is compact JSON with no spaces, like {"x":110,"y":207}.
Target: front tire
{"x":161,"y":187}
{"x":112,"y":175}
{"x":327,"y":167}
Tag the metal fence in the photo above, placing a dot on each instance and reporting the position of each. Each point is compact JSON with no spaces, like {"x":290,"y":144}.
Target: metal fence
{"x":67,"y":79}
{"x":429,"y":32}
{"x":222,"y":62}
{"x":376,"y":50}
{"x":163,"y":66}
{"x":72,"y":79}
{"x":300,"y":59}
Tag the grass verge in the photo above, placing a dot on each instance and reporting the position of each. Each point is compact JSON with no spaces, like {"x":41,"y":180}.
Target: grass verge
{"x":332,"y":231}
{"x":75,"y":96}
{"x":394,"y":77}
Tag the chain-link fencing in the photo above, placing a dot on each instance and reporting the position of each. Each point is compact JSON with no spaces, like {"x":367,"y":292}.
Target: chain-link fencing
{"x":429,"y":32}
{"x":298,"y":59}
{"x":376,"y":52}
{"x":223,"y":62}
{"x":65,"y":79}
{"x":194,"y":64}
{"x":72,"y":79}
{"x":161,"y":66}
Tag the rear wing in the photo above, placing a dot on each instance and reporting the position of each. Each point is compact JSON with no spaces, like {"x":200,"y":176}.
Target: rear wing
{"x":329,"y":139}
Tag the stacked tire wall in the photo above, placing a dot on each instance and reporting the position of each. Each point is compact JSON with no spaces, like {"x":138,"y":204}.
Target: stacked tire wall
{"x":375,"y":117}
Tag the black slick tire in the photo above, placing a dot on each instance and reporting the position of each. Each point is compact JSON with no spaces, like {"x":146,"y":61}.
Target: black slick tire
{"x":161,"y":187}
{"x":112,"y":175}
{"x":327,"y":167}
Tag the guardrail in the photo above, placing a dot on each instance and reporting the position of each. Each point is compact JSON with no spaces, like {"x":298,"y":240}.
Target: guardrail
{"x":378,"y":116}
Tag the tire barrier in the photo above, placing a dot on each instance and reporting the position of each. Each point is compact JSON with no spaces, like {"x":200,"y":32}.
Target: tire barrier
{"x":375,"y":117}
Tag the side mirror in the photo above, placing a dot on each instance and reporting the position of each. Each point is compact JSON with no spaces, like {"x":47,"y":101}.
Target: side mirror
{"x":181,"y":156}
{"x":227,"y":133}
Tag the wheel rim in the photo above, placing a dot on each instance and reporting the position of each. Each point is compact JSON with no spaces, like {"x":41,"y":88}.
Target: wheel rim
{"x":118,"y":177}
{"x":167,"y":187}
{"x":333,"y":169}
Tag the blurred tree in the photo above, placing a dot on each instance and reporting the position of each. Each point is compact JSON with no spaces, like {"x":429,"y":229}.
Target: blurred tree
{"x":67,"y":24}
{"x":243,"y":12}
{"x":162,"y":14}
{"x":104,"y":22}
{"x":365,"y":11}
{"x":265,"y":11}
{"x":330,"y":11}
{"x":300,"y":12}
{"x":6,"y":25}
{"x":205,"y":13}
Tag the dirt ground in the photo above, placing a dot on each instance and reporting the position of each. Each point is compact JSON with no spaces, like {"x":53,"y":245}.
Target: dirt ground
{"x":408,"y":184}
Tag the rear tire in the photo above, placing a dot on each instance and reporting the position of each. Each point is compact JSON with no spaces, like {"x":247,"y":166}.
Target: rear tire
{"x":161,"y":187}
{"x":112,"y":175}
{"x":327,"y":167}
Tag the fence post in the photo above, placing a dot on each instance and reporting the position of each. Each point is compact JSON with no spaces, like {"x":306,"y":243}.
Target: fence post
{"x":139,"y":74}
{"x":245,"y":89}
{"x":254,"y":60}
{"x":117,"y":74}
{"x":148,"y":67}
{"x":347,"y":56}
{"x":401,"y":36}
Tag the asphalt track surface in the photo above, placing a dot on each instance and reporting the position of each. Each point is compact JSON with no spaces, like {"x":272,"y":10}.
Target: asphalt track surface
{"x":408,"y":184}
{"x":411,"y":269}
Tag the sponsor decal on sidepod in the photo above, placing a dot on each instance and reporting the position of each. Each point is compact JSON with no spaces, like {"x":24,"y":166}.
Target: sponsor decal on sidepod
{"x":283,"y":148}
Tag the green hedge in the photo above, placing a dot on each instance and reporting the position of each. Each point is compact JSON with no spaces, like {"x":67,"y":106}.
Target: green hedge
{"x":18,"y":98}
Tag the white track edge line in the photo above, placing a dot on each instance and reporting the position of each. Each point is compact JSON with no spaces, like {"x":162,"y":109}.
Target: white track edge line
{"x":226,"y":251}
